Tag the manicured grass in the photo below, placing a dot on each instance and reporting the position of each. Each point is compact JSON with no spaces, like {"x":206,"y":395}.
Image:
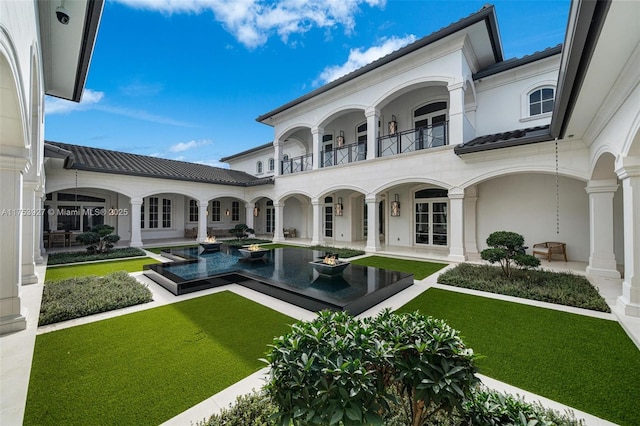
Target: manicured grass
{"x":84,"y":256}
{"x":146,"y":367}
{"x":587,"y":363}
{"x":98,"y":268}
{"x":419,"y":269}
{"x":157,"y":250}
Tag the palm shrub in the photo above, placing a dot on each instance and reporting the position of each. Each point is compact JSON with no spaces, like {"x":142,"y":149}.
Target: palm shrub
{"x":99,"y":239}
{"x":338,"y":369}
{"x":507,"y":249}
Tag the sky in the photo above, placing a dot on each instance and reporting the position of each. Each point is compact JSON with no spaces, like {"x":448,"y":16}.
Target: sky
{"x":186,"y":79}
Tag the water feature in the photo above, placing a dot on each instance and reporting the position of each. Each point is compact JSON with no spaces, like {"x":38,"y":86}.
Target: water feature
{"x":284,"y":273}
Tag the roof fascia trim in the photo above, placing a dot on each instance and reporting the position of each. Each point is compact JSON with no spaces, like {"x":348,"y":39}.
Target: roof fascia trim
{"x":92,"y":22}
{"x":461,"y":149}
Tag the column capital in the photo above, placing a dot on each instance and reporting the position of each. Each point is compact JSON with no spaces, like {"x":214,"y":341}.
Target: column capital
{"x":136,"y":200}
{"x":9,"y":162}
{"x":317,"y":130}
{"x":371,"y":112}
{"x":370,"y":198}
{"x":601,"y":186}
{"x":456,"y":193}
{"x":454,"y":86}
{"x":627,"y":167}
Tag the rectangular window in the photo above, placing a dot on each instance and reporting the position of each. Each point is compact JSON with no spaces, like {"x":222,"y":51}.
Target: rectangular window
{"x":235,"y":211}
{"x":153,"y":212}
{"x":142,"y":216}
{"x":215,"y":211}
{"x":193,"y":211}
{"x":166,"y":213}
{"x":68,"y":218}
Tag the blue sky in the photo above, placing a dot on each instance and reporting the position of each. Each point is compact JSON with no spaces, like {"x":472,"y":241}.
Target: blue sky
{"x":185,"y":79}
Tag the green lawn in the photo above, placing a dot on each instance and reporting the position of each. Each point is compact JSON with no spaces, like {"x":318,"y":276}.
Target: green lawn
{"x":157,"y":250}
{"x":419,"y":269}
{"x":146,"y":367}
{"x":587,"y":363}
{"x":98,"y":268}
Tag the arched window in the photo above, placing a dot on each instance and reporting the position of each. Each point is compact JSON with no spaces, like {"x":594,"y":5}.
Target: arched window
{"x":541,"y":101}
{"x":259,"y":167}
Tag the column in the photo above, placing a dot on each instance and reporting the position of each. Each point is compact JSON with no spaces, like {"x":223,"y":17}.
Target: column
{"x":456,"y":225}
{"x":316,"y":205}
{"x":202,"y":220}
{"x":316,"y":135}
{"x":278,"y":209}
{"x":373,"y":116}
{"x":629,"y":301}
{"x":304,"y":232}
{"x":28,"y":236}
{"x":11,"y":316}
{"x":373,"y":221}
{"x":136,"y":235}
{"x":456,"y":114}
{"x":602,"y":260}
{"x":248,"y":209}
{"x":470,"y":203}
{"x":277,"y":157}
{"x":38,"y":248}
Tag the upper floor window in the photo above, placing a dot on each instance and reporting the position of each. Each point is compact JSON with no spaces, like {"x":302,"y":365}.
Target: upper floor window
{"x":361,"y":133}
{"x":272,"y":164}
{"x":259,"y":167}
{"x":541,"y":101}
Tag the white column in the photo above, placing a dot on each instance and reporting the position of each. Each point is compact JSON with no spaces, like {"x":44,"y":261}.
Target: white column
{"x":316,"y":135}
{"x":373,"y":116}
{"x":12,"y":317}
{"x":28,"y":235}
{"x":456,"y":114}
{"x":373,"y":221}
{"x":248,"y":213}
{"x":602,"y":260}
{"x":470,"y":220}
{"x":278,"y":209}
{"x":136,"y":235}
{"x":277,"y":157}
{"x":630,"y":176}
{"x":456,"y":225}
{"x":38,"y":248}
{"x":304,"y":232}
{"x":317,"y":221}
{"x":202,"y":220}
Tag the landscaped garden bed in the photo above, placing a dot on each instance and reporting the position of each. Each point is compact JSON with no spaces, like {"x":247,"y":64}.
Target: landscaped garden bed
{"x":84,"y":256}
{"x":546,"y":286}
{"x":81,"y":296}
{"x":61,"y":272}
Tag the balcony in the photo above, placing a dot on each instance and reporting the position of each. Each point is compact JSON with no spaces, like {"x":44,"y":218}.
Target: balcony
{"x":344,"y":154}
{"x":297,"y":164}
{"x":413,"y":140}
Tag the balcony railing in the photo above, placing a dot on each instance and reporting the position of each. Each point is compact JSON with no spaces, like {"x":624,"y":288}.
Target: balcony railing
{"x":344,"y":154}
{"x":413,"y":140}
{"x":297,"y":164}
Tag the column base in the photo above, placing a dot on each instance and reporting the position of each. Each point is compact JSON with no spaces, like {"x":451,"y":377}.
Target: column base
{"x":29,"y":279}
{"x":457,"y":258}
{"x":630,"y":309}
{"x":135,"y":244}
{"x":12,"y":324}
{"x":277,"y":239}
{"x":602,"y":272}
{"x":371,"y":249}
{"x":38,"y":259}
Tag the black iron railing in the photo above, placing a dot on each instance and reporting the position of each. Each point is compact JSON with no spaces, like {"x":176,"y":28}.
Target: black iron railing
{"x":297,"y":164}
{"x":344,"y":154}
{"x":413,"y":140}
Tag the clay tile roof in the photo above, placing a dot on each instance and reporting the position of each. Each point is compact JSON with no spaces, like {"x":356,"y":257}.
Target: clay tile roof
{"x":505,"y":139}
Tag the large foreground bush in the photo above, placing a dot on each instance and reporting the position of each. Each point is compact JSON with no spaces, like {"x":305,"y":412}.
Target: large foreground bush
{"x":78,"y":297}
{"x":340,"y":370}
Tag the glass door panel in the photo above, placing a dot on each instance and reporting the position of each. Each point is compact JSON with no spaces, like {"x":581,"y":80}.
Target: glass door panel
{"x":271,"y":220}
{"x":422,"y":223}
{"x":439,"y":231}
{"x":328,"y":221}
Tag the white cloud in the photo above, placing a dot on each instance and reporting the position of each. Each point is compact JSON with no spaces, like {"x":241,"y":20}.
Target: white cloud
{"x":252,"y":22}
{"x":62,"y":106}
{"x":185,"y":146}
{"x":359,"y":58}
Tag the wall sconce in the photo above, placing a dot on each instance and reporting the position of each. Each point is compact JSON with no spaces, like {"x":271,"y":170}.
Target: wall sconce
{"x":340,"y":139}
{"x":227,"y":213}
{"x":395,"y":206}
{"x":339,"y":207}
{"x":393,"y":125}
{"x":256,"y":210}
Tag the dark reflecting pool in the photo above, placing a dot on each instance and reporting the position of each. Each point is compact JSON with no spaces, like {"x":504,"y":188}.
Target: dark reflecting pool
{"x":284,"y":273}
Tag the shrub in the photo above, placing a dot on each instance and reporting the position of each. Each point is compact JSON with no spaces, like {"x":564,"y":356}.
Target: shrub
{"x":343,"y":252}
{"x":507,"y":249}
{"x":241,"y":231}
{"x":253,"y":409}
{"x":99,"y":239}
{"x":79,"y":256}
{"x":78,"y":297}
{"x":340,"y":369}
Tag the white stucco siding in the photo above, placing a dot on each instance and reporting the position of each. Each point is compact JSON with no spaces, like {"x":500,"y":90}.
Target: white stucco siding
{"x":502,"y":103}
{"x":526,"y":204}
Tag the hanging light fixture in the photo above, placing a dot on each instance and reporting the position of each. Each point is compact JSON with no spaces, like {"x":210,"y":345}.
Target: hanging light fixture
{"x":256,"y":210}
{"x":340,"y":139}
{"x":227,"y":213}
{"x":339,"y":207}
{"x":395,"y":206}
{"x":393,"y":125}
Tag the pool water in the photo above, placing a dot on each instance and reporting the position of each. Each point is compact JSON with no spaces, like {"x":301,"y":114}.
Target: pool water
{"x":284,"y":273}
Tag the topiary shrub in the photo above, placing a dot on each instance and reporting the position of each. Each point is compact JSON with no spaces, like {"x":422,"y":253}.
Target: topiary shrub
{"x":99,"y":239}
{"x":241,"y":231}
{"x":507,"y":249}
{"x":340,"y":370}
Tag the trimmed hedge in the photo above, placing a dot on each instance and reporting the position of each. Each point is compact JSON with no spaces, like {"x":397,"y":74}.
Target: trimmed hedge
{"x":554,"y":287}
{"x":88,"y":295}
{"x":83,"y":256}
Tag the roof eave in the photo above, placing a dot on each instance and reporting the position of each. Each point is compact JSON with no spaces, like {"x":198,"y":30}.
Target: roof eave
{"x":526,"y":140}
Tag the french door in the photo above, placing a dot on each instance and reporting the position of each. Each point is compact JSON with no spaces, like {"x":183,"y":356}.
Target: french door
{"x":271,"y":220}
{"x":431,"y":222}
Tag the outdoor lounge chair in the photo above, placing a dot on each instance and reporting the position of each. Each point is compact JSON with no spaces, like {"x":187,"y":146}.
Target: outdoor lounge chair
{"x":550,"y":248}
